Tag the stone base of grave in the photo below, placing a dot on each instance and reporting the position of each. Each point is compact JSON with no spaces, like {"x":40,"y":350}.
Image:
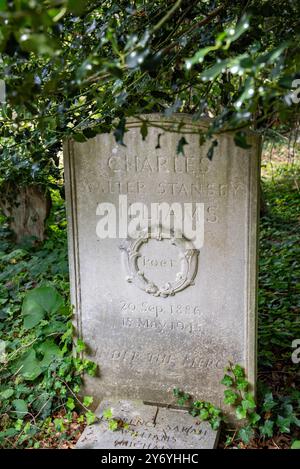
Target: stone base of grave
{"x":143,"y":426}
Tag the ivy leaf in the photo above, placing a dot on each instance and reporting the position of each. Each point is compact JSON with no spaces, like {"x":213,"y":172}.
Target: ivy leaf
{"x":21,"y":408}
{"x":254,"y":418}
{"x":90,"y":417}
{"x":59,"y":425}
{"x":242,"y":384}
{"x":215,"y":423}
{"x":203,"y":414}
{"x":80,"y":346}
{"x":230,"y":397}
{"x":50,"y":352}
{"x":238,"y":371}
{"x":136,"y":58}
{"x":87,"y":401}
{"x":241,"y":412}
{"x":113,"y":425}
{"x":296,"y":444}
{"x":70,"y":403}
{"x":38,"y":303}
{"x":248,"y":402}
{"x":10,"y":432}
{"x":43,"y":404}
{"x":28,"y":366}
{"x":268,"y":403}
{"x":6,"y":394}
{"x":245,"y":434}
{"x":267,"y":428}
{"x":227,"y":381}
{"x":107,"y":414}
{"x":283,"y":423}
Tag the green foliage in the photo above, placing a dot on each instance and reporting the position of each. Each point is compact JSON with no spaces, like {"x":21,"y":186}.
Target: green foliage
{"x":205,"y":411}
{"x":238,"y":395}
{"x":296,"y":444}
{"x":182,"y":397}
{"x":114,"y":424}
{"x":272,"y":415}
{"x":277,"y":411}
{"x":39,"y":373}
{"x":39,"y":303}
{"x":279,"y":266}
{"x":76,"y":68}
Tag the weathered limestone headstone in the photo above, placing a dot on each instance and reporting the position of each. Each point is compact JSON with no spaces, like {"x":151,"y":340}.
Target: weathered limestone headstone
{"x":148,"y":427}
{"x":163,"y":310}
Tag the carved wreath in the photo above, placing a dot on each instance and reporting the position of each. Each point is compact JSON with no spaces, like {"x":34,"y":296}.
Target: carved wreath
{"x":188,"y":257}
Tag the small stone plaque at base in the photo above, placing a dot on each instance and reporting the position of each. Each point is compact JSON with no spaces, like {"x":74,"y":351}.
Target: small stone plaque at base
{"x":143,"y":426}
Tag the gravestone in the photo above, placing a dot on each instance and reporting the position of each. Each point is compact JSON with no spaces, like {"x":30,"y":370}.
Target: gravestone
{"x":166,"y":305}
{"x":147,"y":427}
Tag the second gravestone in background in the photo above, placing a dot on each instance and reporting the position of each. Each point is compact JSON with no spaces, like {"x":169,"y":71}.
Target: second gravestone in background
{"x":159,"y":313}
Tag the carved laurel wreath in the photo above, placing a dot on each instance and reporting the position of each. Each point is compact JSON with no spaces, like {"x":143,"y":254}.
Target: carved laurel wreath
{"x":188,"y":257}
